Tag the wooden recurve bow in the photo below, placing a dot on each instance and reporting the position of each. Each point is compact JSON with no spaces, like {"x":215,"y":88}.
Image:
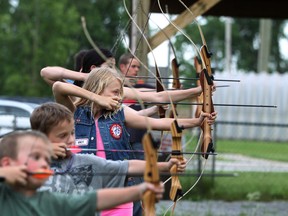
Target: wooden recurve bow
{"x":151,"y":173}
{"x":198,"y":68}
{"x":206,"y":80}
{"x":176,"y":188}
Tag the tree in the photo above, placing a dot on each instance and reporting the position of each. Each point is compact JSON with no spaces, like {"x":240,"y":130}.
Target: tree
{"x":40,"y":33}
{"x":37,"y":33}
{"x":106,"y":21}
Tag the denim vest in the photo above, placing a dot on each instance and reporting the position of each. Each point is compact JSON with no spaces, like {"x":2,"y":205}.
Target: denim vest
{"x":113,"y":133}
{"x":112,"y":129}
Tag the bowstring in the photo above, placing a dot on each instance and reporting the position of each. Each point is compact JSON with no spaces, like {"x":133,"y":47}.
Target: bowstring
{"x":198,"y":52}
{"x":151,"y":50}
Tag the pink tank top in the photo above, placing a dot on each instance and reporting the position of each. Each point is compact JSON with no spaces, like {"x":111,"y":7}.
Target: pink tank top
{"x":100,"y":147}
{"x":124,"y":209}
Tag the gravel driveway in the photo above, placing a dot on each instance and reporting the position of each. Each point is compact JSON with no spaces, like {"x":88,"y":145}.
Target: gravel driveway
{"x":220,"y":208}
{"x":231,"y":163}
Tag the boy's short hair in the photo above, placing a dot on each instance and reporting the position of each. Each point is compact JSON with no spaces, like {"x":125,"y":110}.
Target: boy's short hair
{"x":49,"y":115}
{"x":9,"y":143}
{"x":125,"y":58}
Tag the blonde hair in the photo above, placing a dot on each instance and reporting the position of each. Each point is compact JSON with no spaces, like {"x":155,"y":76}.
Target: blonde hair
{"x":96,"y":82}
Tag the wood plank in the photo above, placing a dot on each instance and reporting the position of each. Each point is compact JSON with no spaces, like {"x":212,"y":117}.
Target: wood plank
{"x":184,"y":19}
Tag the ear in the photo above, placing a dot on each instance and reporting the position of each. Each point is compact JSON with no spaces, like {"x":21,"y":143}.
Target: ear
{"x":92,"y":67}
{"x":122,"y":68}
{"x":5,"y":161}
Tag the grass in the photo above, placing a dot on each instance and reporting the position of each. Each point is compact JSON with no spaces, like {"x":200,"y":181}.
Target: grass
{"x":258,"y":149}
{"x":257,"y":186}
{"x":260,"y":186}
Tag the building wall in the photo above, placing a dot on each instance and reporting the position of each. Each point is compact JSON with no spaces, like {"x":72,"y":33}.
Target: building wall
{"x":256,"y":89}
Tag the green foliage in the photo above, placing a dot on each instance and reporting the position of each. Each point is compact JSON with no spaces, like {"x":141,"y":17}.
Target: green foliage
{"x":36,"y":34}
{"x":245,"y":32}
{"x":245,"y":44}
{"x":105,"y":20}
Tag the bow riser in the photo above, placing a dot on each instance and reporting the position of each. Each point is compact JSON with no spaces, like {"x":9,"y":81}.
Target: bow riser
{"x":206,"y":84}
{"x":151,"y":173}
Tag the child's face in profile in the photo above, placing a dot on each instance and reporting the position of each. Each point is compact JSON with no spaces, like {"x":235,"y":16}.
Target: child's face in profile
{"x":35,"y":154}
{"x":112,"y":89}
{"x":64,"y":132}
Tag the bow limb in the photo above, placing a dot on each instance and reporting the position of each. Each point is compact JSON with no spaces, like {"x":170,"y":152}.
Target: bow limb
{"x":198,"y":69}
{"x":151,"y":173}
{"x":206,"y":84}
{"x":175,"y":72}
{"x":159,"y":88}
{"x":175,"y":85}
{"x":86,"y":32}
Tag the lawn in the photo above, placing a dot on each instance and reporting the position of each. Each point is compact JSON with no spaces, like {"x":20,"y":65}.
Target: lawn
{"x":257,"y":186}
{"x":258,"y":149}
{"x":262,"y":186}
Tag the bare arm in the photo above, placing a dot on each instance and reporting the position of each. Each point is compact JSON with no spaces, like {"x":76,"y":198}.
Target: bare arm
{"x":63,"y":92}
{"x":52,"y":74}
{"x":152,"y":110}
{"x":138,"y":166}
{"x":176,"y":95}
{"x":110,"y":197}
{"x":148,"y":111}
{"x":136,"y":121}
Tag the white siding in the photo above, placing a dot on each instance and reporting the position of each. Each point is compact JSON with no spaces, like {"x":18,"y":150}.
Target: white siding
{"x":256,"y":89}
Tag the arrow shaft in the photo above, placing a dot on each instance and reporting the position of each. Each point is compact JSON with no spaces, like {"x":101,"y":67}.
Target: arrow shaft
{"x":215,"y":104}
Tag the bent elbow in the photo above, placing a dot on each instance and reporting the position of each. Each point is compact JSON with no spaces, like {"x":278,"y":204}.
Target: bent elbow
{"x":56,"y":87}
{"x":43,"y":72}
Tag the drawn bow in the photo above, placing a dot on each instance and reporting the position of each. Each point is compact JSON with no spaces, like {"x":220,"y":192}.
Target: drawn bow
{"x":176,"y":188}
{"x":206,"y":80}
{"x":151,"y":173}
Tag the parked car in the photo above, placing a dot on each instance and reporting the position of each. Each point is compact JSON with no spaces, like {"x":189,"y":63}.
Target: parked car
{"x":15,"y":115}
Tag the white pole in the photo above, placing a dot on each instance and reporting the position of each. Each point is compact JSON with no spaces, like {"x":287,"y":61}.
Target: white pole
{"x":228,"y":44}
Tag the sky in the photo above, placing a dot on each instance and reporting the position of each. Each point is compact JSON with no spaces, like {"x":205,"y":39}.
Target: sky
{"x":164,"y":47}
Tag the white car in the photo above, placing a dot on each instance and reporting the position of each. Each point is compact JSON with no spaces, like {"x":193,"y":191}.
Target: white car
{"x":15,"y":115}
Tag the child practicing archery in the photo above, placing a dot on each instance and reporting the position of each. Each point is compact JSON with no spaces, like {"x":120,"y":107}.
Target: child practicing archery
{"x":81,"y":173}
{"x":99,"y":127}
{"x":104,"y":129}
{"x":31,"y":151}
